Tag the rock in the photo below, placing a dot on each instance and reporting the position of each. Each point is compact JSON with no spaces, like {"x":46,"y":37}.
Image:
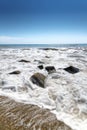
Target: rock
{"x":47,"y":56}
{"x":50,"y":69}
{"x":23,"y":116}
{"x":71,"y":69}
{"x":26,"y":61}
{"x":2,"y":83}
{"x":46,"y":49}
{"x":15,"y":72}
{"x":38,"y":79}
{"x":40,"y":67}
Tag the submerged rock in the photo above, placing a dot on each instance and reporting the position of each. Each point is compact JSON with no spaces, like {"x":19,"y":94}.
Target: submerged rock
{"x":47,"y":56}
{"x":40,"y":67}
{"x":50,"y":69}
{"x":71,"y":69}
{"x":53,"y":49}
{"x":22,"y":89}
{"x":26,"y":61}
{"x":38,"y":79}
{"x":2,"y":83}
{"x":12,"y":88}
{"x":15,"y":72}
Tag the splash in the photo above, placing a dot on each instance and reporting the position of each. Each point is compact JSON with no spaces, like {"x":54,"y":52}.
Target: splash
{"x":64,"y":94}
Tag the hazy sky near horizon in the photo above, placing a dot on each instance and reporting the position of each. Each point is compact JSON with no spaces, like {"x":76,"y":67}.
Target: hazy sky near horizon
{"x":43,"y":21}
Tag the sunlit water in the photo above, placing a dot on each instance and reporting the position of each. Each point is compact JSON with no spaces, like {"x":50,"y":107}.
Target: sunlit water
{"x":64,"y":94}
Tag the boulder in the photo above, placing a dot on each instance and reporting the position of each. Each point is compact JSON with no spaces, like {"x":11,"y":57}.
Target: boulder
{"x":50,"y":69}
{"x":40,"y":67}
{"x":15,"y":72}
{"x":38,"y":79}
{"x":71,"y":69}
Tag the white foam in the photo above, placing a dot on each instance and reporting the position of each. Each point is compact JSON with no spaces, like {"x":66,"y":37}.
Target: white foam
{"x":65,"y":94}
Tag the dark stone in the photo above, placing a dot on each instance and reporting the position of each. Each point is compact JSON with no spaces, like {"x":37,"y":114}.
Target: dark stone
{"x":2,"y":82}
{"x":26,"y":61}
{"x":46,"y":49}
{"x":40,"y":67}
{"x":47,"y":56}
{"x":71,"y":69}
{"x":15,"y":72}
{"x":82,"y":100}
{"x":38,"y":79}
{"x":50,"y":69}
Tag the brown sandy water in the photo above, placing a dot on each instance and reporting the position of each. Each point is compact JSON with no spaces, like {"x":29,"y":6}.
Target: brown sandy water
{"x":20,"y":116}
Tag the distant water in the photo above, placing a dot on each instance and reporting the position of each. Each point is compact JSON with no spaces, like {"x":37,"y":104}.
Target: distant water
{"x":41,"y":45}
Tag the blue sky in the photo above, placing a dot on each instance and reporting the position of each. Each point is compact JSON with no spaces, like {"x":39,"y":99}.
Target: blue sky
{"x":43,"y":21}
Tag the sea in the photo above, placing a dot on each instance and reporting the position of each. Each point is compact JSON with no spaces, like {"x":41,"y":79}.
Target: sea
{"x":30,"y":45}
{"x":64,"y":95}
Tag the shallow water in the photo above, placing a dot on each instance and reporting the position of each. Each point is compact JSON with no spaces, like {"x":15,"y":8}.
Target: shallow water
{"x":64,"y":94}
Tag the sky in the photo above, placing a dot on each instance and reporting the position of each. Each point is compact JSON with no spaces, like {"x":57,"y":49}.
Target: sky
{"x":43,"y":21}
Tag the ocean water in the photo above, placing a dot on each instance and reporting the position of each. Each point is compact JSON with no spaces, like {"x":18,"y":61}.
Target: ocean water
{"x":41,"y":45}
{"x":64,"y":94}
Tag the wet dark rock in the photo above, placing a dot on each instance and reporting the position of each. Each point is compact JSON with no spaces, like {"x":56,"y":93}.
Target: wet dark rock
{"x":82,"y":100}
{"x":26,"y":61}
{"x":15,"y":72}
{"x":47,"y":56}
{"x":50,"y":69}
{"x":40,"y":67}
{"x":38,"y":79}
{"x":71,"y":69}
{"x":54,"y":49}
{"x":2,"y":83}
